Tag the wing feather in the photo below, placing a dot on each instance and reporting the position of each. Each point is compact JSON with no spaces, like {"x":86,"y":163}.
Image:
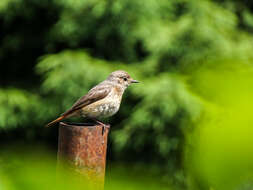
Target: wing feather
{"x":97,"y":93}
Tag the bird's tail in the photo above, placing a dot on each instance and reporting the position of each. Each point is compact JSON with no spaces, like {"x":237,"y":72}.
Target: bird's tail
{"x":56,"y":120}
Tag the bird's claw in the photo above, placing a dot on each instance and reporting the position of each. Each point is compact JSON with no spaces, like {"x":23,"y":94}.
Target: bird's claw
{"x":104,"y":126}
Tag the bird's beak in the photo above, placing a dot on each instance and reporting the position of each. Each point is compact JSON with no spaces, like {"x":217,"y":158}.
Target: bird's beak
{"x":134,"y":81}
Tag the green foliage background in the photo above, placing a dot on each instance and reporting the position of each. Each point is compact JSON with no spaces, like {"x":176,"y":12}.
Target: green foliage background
{"x":193,"y":58}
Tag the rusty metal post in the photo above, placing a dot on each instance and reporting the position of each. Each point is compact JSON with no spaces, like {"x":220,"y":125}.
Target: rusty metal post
{"x":82,"y":149}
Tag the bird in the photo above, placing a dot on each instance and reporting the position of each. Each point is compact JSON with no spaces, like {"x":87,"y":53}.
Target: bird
{"x":101,"y":101}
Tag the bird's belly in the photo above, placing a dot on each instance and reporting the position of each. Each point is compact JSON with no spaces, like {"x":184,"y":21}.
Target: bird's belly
{"x":101,"y":109}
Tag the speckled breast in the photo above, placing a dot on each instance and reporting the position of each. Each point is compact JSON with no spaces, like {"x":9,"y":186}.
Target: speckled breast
{"x":103,"y":108}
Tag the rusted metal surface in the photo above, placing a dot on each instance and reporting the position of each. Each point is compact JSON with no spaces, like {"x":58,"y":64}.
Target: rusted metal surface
{"x":82,"y":149}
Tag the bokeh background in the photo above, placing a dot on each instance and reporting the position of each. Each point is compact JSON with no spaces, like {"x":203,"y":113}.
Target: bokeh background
{"x":187,"y":125}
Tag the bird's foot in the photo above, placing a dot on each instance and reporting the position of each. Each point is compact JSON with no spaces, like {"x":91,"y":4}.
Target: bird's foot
{"x":103,"y":125}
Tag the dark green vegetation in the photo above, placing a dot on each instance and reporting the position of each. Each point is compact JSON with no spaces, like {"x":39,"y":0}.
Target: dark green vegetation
{"x":188,"y":121}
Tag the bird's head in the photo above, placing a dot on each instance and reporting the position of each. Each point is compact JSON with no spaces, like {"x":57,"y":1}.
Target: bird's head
{"x":122,"y":78}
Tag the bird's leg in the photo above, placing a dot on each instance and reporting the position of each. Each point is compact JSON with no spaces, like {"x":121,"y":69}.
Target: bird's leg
{"x":102,"y":124}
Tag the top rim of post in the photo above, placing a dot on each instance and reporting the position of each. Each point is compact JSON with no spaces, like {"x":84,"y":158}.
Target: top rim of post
{"x":75,"y":124}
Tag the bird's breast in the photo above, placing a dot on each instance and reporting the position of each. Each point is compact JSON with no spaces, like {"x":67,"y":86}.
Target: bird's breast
{"x":105,"y":107}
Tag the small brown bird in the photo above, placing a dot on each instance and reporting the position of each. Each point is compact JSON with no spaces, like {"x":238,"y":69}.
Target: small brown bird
{"x":101,"y":101}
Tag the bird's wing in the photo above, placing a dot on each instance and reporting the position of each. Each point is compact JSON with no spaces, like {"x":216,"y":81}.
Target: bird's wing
{"x":97,"y":93}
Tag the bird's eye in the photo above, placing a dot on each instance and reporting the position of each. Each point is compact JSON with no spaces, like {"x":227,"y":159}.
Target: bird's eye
{"x":125,"y":79}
